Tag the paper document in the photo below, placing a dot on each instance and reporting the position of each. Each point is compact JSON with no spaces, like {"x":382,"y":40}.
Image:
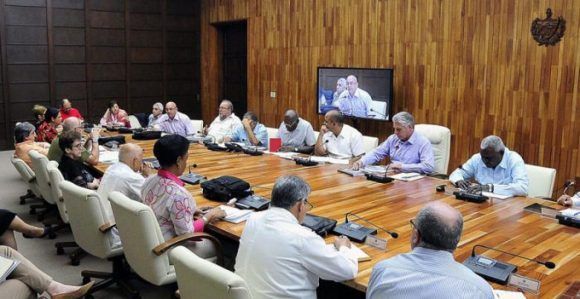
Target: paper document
{"x":407,"y":177}
{"x":284,"y":155}
{"x":495,"y":195}
{"x":329,"y":160}
{"x":6,"y":267}
{"x":109,"y":157}
{"x":501,"y":294}
{"x":351,"y":172}
{"x":575,"y":213}
{"x":355,"y":251}
{"x":235,"y":215}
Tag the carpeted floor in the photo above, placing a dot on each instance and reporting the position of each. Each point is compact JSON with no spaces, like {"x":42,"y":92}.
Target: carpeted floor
{"x":42,"y":251}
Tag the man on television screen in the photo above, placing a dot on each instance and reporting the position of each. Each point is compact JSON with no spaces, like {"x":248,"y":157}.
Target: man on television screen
{"x":354,"y":101}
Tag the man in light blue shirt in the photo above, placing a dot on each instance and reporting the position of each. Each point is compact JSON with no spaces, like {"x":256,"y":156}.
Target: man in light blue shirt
{"x":296,"y":133}
{"x":429,"y":270}
{"x":354,"y":101}
{"x":408,"y":150}
{"x":250,"y":132}
{"x":495,"y":168}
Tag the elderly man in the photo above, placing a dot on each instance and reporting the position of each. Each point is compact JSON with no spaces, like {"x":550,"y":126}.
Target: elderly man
{"x":354,"y":101}
{"x":225,"y":123}
{"x":340,"y":88}
{"x":24,"y":136}
{"x":495,"y":169}
{"x":296,"y":133}
{"x":408,"y":150}
{"x":67,"y":110}
{"x":429,"y":270}
{"x":90,"y":153}
{"x":174,"y":122}
{"x":156,"y":113}
{"x":337,"y":139}
{"x":128,"y":175}
{"x":279,"y":258}
{"x":251,"y":132}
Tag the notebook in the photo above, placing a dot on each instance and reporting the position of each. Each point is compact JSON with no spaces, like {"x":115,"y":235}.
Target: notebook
{"x":357,"y":252}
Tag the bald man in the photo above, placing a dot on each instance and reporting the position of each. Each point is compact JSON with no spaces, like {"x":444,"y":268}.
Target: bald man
{"x":67,"y":110}
{"x":296,"y":133}
{"x":429,"y":270}
{"x":354,"y":101}
{"x":126,"y":176}
{"x":337,"y":139}
{"x":90,"y":153}
{"x":174,"y":122}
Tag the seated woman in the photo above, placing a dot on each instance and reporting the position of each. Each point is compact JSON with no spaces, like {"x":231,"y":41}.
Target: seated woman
{"x":9,"y":223}
{"x":172,"y":204}
{"x":71,"y":165}
{"x":50,"y":127}
{"x":114,"y":116}
{"x":26,"y":278}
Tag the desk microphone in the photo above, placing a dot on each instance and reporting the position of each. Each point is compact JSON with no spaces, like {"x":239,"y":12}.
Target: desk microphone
{"x":357,"y":232}
{"x":380,"y":178}
{"x":192,"y":178}
{"x":379,"y":113}
{"x":494,"y":270}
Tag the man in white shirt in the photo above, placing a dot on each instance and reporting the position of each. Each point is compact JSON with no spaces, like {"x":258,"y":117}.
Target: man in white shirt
{"x":296,"y":133}
{"x":570,"y":201}
{"x":224,"y":124}
{"x":337,"y":139}
{"x":279,"y":258}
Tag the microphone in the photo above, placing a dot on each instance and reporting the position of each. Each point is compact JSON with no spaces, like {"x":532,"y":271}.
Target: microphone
{"x":305,"y":161}
{"x":380,"y":178}
{"x":192,"y":165}
{"x":357,"y":232}
{"x":379,"y":113}
{"x":494,"y":270}
{"x":192,"y":178}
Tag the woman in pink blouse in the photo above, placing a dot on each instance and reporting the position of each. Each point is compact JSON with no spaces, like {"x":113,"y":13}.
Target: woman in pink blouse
{"x":114,"y":116}
{"x":172,"y":204}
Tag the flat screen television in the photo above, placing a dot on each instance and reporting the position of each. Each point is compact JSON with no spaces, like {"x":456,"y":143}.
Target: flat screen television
{"x":356,"y":92}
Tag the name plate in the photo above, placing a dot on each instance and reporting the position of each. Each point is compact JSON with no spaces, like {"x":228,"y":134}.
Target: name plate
{"x":376,"y":242}
{"x":524,"y":283}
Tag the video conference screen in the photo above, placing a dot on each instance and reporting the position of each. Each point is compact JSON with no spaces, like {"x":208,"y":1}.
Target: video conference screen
{"x":356,"y":92}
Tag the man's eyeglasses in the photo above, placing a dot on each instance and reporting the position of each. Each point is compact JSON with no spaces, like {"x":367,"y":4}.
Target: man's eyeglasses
{"x":413,"y":225}
{"x":309,"y":206}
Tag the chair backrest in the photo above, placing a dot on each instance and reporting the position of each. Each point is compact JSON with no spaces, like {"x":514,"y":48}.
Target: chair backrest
{"x":272,"y":132}
{"x":86,"y":215}
{"x":39,"y":165}
{"x":140,"y":234}
{"x":135,"y":124}
{"x":198,"y":278}
{"x":370,"y":143}
{"x":55,"y":177}
{"x":26,"y":174}
{"x":440,"y":138}
{"x":316,"y":133}
{"x":541,"y":181}
{"x":197,"y":125}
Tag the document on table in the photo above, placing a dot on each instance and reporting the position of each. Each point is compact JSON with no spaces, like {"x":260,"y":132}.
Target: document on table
{"x":495,"y":195}
{"x":501,"y":294}
{"x":283,"y":155}
{"x":109,"y":157}
{"x":329,"y":160}
{"x":407,"y":177}
{"x":235,"y":215}
{"x":575,"y":213}
{"x":360,"y":255}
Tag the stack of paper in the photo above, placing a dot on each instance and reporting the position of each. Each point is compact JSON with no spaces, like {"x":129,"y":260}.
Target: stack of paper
{"x":329,"y":160}
{"x":235,"y":215}
{"x":6,"y":267}
{"x":355,"y":251}
{"x":109,"y":157}
{"x":407,"y":177}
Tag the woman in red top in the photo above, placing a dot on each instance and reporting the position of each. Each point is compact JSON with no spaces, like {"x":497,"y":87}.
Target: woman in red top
{"x":114,"y":116}
{"x":48,"y":130}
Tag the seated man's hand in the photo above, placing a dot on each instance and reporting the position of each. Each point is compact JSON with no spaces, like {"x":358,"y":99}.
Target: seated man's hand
{"x":323,"y":129}
{"x":341,"y":241}
{"x":247,"y":123}
{"x":204,"y":130}
{"x":227,"y":139}
{"x":397,"y":167}
{"x":147,"y":169}
{"x":214,"y":214}
{"x":463,"y":184}
{"x":565,"y":200}
{"x":357,"y":165}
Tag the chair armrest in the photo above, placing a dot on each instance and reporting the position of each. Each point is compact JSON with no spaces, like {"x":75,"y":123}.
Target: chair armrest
{"x":163,"y":247}
{"x":107,"y":227}
{"x":32,"y":180}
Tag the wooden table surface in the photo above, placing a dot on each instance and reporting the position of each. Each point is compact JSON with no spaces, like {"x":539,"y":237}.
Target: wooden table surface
{"x":497,"y":223}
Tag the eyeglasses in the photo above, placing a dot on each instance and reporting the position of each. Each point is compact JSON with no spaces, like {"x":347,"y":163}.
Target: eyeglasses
{"x":78,"y":145}
{"x":413,"y":225}
{"x":309,"y":206}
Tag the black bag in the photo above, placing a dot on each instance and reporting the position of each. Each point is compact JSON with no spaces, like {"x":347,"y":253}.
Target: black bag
{"x":146,"y":135}
{"x":320,"y":225}
{"x":224,"y":188}
{"x":119,"y":139}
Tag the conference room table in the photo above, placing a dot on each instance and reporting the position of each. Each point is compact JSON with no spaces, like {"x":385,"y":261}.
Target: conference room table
{"x":502,"y":224}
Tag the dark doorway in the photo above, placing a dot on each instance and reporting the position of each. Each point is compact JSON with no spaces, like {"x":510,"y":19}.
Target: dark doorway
{"x":233,"y":73}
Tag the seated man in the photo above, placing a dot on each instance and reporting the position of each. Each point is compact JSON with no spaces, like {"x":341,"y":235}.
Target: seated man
{"x":90,"y":154}
{"x":296,"y":133}
{"x":174,"y":122}
{"x":251,"y":132}
{"x":337,"y":139}
{"x":224,"y":124}
{"x":156,"y":113}
{"x":126,"y":176}
{"x":570,"y":201}
{"x":496,"y":169}
{"x":71,"y":165}
{"x":24,"y":136}
{"x":429,"y":270}
{"x":66,"y":110}
{"x":408,"y":150}
{"x":279,"y":258}
{"x":354,"y":101}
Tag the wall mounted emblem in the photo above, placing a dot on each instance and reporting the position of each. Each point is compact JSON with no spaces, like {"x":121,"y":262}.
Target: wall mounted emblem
{"x":548,"y":32}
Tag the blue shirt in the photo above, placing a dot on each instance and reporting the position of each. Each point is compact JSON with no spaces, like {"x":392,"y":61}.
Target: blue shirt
{"x":508,"y":178}
{"x":180,"y":124}
{"x":425,"y":273}
{"x":240,"y":135}
{"x":416,"y":154}
{"x":358,"y":105}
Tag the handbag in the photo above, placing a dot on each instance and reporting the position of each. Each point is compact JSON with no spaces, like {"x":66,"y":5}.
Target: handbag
{"x":224,"y":188}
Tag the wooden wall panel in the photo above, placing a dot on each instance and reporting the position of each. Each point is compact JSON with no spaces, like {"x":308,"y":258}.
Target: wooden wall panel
{"x":93,"y":51}
{"x":469,"y":65}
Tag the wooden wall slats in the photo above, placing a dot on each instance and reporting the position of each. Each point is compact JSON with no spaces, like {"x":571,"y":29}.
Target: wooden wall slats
{"x":469,"y":65}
